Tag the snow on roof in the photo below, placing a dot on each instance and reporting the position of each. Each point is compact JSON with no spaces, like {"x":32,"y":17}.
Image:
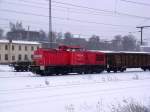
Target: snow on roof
{"x":121,"y":52}
{"x":20,"y":42}
{"x":136,"y":52}
{"x":103,"y":51}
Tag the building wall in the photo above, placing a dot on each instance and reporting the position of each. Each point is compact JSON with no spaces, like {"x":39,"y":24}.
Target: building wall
{"x":23,"y":35}
{"x":12,"y":52}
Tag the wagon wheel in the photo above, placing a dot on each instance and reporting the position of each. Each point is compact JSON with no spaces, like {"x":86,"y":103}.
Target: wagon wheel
{"x":122,"y":70}
{"x":115,"y":71}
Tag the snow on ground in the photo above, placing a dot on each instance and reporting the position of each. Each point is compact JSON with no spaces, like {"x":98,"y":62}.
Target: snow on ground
{"x":4,"y":68}
{"x":26,"y":92}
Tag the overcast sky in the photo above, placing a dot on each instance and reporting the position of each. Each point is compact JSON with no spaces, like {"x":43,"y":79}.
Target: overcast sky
{"x":79,"y":20}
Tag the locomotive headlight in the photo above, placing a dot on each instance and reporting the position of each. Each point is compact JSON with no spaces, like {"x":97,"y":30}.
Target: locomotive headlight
{"x":42,"y":67}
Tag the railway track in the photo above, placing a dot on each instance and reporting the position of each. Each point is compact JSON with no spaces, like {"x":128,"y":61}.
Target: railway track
{"x":22,"y":74}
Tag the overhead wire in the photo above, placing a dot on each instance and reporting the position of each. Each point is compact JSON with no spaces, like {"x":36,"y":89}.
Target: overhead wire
{"x":62,"y":18}
{"x":77,"y":12}
{"x":101,"y":10}
{"x":138,"y":3}
{"x":38,"y":3}
{"x":89,"y":8}
{"x":29,"y":21}
{"x":96,"y":12}
{"x":24,"y":4}
{"x":72,"y":10}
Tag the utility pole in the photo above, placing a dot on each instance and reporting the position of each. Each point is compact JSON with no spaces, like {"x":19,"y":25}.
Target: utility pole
{"x":50,"y":24}
{"x":141,"y":28}
{"x":28,"y":32}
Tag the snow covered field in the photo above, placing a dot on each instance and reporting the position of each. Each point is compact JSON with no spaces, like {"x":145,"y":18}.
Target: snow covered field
{"x":26,"y":92}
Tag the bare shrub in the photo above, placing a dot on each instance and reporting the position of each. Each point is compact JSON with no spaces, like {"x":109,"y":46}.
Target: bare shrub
{"x":130,"y":107}
{"x":46,"y":82}
{"x":70,"y":108}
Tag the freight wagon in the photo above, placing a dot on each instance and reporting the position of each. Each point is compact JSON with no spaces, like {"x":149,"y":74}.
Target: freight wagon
{"x":119,"y":61}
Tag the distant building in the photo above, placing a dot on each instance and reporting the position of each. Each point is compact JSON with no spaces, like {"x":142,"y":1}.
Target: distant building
{"x":12,"y":51}
{"x":23,"y":35}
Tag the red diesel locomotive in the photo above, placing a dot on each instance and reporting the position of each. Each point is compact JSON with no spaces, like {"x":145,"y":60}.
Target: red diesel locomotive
{"x":67,"y":60}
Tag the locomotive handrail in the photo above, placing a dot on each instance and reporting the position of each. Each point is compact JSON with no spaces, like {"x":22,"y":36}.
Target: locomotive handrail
{"x":71,"y":48}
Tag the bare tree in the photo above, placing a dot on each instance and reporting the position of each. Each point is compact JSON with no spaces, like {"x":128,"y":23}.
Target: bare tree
{"x":117,"y":43}
{"x":43,"y":36}
{"x":67,"y":38}
{"x":129,"y":43}
{"x":1,"y":33}
{"x":94,"y":42}
{"x":16,"y":26}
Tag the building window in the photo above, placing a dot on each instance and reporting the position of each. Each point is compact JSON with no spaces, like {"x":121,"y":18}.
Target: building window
{"x":13,"y":48}
{"x":32,"y":48}
{"x":6,"y":56}
{"x":13,"y":58}
{"x":6,"y":47}
{"x":26,"y":48}
{"x":19,"y":57}
{"x":19,"y":48}
{"x":25,"y":57}
{"x":31,"y":56}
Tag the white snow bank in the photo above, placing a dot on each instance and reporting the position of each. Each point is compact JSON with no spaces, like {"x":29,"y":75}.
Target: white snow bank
{"x":5,"y":68}
{"x":25,"y":92}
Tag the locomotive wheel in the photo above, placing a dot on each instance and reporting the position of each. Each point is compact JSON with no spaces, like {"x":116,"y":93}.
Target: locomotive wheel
{"x":80,"y":72}
{"x":64,"y":73}
{"x":85,"y":72}
{"x":108,"y":71}
{"x":58,"y":74}
{"x":100,"y":71}
{"x":121,"y":70}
